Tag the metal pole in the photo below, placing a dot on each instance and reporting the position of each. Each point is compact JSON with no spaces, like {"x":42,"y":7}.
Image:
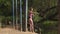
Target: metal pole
{"x":16,"y":14}
{"x":13,"y":11}
{"x":21,"y":13}
{"x":26,"y":12}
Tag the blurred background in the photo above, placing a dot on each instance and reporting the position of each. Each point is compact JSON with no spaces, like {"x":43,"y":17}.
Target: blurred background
{"x":45,"y":14}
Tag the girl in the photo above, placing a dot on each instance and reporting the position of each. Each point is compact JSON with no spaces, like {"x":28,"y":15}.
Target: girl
{"x":31,"y":20}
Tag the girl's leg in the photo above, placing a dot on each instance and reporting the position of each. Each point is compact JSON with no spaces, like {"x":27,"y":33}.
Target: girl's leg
{"x":32,"y":26}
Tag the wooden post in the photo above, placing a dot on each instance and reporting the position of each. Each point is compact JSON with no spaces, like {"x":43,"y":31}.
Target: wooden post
{"x":21,"y":14}
{"x":16,"y":16}
{"x":26,"y":12}
{"x":13,"y":11}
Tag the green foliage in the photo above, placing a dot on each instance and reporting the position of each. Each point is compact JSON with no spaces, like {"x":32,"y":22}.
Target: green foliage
{"x":36,"y":17}
{"x":50,"y":32}
{"x":50,"y":23}
{"x":43,"y":10}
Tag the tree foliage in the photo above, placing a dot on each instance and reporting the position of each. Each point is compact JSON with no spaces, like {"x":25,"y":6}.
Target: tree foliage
{"x":45,"y":13}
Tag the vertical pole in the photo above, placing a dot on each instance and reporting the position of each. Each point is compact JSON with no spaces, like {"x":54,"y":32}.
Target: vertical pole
{"x":21,"y":13}
{"x":26,"y":12}
{"x":13,"y":11}
{"x":16,"y":14}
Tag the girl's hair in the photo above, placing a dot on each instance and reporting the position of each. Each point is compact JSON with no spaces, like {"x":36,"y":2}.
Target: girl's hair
{"x":31,"y":8}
